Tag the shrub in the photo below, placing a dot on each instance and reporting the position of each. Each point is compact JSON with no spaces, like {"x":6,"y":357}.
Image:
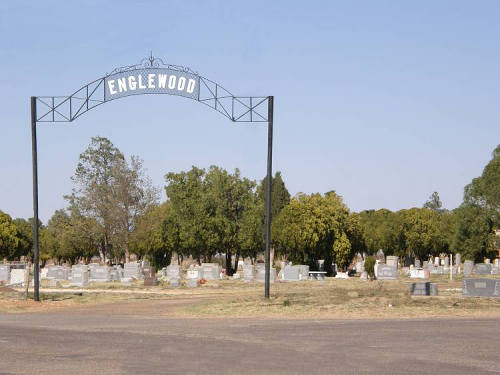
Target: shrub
{"x":370,"y":266}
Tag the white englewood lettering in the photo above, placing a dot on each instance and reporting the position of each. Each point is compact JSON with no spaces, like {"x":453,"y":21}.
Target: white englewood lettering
{"x":171,"y":82}
{"x":191,"y":85}
{"x":132,"y":85}
{"x":141,"y":85}
{"x":111,"y":85}
{"x":181,"y":84}
{"x":122,"y":84}
{"x":151,"y":81}
{"x":162,"y":81}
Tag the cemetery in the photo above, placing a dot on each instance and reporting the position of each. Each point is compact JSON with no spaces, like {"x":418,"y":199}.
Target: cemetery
{"x":385,"y":288}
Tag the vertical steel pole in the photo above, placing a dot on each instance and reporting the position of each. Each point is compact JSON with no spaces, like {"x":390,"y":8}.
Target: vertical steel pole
{"x":36,"y":257}
{"x":270,"y":110}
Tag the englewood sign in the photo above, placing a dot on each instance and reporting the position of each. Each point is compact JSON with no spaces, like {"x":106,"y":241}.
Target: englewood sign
{"x":152,"y":81}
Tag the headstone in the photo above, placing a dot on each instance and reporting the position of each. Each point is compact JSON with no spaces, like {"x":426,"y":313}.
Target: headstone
{"x":248,"y":272}
{"x":291,"y":273}
{"x":481,"y":288}
{"x":79,"y":275}
{"x":131,"y":271}
{"x":261,"y":274}
{"x":211,"y":271}
{"x":150,"y":281}
{"x":321,"y":265}
{"x":425,"y":264}
{"x":173,"y":271}
{"x":148,"y":271}
{"x":192,"y":282}
{"x":386,"y":272}
{"x":193,"y":274}
{"x":303,"y":272}
{"x":439,"y":270}
{"x":360,"y":266}
{"x":483,"y":268}
{"x":99,"y":274}
{"x":392,"y":260}
{"x":380,"y":256}
{"x":458,"y":259}
{"x":17,"y":276}
{"x":4,"y":273}
{"x":446,"y":262}
{"x":174,"y":283}
{"x":468,"y":267}
{"x":419,"y":273}
{"x":437,"y":261}
{"x":342,"y":275}
{"x":364,"y":276}
{"x":418,"y":263}
{"x":58,"y":272}
{"x":423,"y":289}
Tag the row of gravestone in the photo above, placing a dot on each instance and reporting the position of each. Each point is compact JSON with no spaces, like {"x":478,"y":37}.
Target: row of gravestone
{"x":470,"y":288}
{"x":211,"y":271}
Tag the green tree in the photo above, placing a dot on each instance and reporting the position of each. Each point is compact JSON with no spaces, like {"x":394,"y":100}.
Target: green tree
{"x":473,"y":237}
{"x":112,"y":193}
{"x":147,"y":238}
{"x":9,"y":237}
{"x":434,"y":202}
{"x":419,"y":228}
{"x":280,"y":196}
{"x":308,"y":228}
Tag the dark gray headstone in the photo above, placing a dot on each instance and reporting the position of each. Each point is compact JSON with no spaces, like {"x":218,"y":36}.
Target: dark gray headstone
{"x":423,"y":289}
{"x":481,"y":288}
{"x":483,"y":268}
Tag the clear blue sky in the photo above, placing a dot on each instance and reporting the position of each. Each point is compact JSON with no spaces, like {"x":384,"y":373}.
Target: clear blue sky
{"x":382,"y":101}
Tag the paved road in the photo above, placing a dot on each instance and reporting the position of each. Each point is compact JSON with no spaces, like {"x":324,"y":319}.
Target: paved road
{"x":140,"y":338}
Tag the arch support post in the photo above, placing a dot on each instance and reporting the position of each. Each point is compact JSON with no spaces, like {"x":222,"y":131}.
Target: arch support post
{"x":36,"y":255}
{"x":270,"y":111}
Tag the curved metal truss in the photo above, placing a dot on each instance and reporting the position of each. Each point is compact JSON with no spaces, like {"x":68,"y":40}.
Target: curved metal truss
{"x":93,"y":94}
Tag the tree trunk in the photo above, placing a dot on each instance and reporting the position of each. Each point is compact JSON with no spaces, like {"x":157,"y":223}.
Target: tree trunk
{"x":237,"y":258}
{"x":229,"y":268}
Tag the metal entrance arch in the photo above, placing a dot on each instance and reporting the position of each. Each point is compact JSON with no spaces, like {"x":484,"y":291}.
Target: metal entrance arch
{"x":151,"y":76}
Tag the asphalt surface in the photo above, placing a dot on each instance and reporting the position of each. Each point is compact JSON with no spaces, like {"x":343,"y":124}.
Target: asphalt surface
{"x":140,"y":338}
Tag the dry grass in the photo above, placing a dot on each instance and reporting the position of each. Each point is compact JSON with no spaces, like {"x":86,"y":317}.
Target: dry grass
{"x":332,"y":298}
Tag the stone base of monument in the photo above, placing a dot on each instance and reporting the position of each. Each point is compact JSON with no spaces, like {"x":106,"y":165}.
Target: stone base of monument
{"x":174,"y":283}
{"x":150,"y":281}
{"x":192,"y":283}
{"x":423,"y":289}
{"x":481,"y":288}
